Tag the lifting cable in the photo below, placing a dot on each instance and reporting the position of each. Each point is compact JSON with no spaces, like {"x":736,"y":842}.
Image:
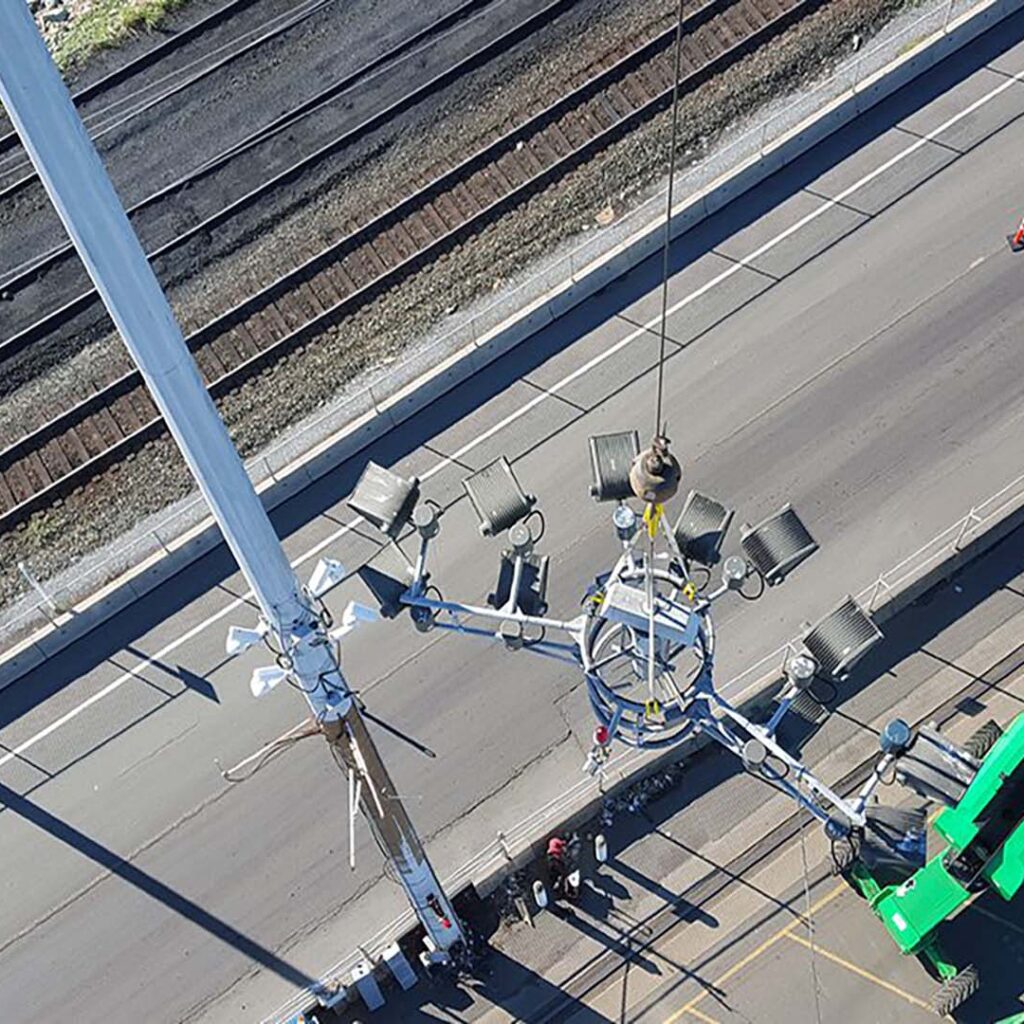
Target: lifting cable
{"x":658,"y":426}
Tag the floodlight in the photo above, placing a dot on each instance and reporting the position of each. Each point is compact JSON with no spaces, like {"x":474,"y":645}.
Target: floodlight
{"x":329,"y":572}
{"x":241,"y":638}
{"x":936,"y":768}
{"x":800,"y":671}
{"x":734,"y":572}
{"x":701,"y":528}
{"x":497,"y":498}
{"x":778,"y":544}
{"x":265,"y":679}
{"x":611,"y":457}
{"x":384,"y":499}
{"x":353,"y":614}
{"x":624,"y":519}
{"x":839,"y":640}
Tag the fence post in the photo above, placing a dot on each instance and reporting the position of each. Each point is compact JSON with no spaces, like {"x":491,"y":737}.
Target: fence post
{"x":970,"y":519}
{"x":504,"y":847}
{"x":156,"y":536}
{"x":52,"y":609}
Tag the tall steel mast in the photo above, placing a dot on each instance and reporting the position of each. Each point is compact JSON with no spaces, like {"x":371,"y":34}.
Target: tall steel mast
{"x":71,"y":171}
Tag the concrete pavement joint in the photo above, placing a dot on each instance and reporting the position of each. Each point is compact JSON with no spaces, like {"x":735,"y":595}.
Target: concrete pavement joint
{"x":844,"y":206}
{"x":561,"y":398}
{"x":774,"y":278}
{"x":936,"y":142}
{"x":490,"y":794}
{"x":750,"y":957}
{"x":838,"y":360}
{"x":449,"y":460}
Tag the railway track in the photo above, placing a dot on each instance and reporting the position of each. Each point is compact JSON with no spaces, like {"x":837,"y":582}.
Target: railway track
{"x":13,"y":162}
{"x":453,"y":202}
{"x":159,"y":205}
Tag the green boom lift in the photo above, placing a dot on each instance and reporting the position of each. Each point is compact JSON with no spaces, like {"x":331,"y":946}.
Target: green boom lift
{"x":982,"y":834}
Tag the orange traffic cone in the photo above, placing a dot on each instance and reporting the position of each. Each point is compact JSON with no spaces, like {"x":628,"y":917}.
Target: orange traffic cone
{"x":1017,"y":240}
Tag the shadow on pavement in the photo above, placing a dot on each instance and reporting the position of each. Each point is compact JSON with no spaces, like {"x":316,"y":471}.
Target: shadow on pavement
{"x":174,"y":901}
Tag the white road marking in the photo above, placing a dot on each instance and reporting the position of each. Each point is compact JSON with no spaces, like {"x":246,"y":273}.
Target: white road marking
{"x":542,"y":396}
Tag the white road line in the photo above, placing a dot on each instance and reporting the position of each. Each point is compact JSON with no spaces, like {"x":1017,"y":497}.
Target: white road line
{"x":542,"y":396}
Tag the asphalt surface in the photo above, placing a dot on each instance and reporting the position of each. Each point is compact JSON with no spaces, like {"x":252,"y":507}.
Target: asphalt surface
{"x":876,"y":386}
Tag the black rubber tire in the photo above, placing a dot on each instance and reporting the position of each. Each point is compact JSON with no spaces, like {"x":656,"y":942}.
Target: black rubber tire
{"x":983,"y":740}
{"x":954,"y":992}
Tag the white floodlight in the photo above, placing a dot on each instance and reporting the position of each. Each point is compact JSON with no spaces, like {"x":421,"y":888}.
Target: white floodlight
{"x":241,"y":638}
{"x":353,"y":614}
{"x":329,"y":572}
{"x":265,"y":679}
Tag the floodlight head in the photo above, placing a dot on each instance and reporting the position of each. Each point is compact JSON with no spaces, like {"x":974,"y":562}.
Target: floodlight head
{"x":241,"y":638}
{"x":734,"y":572}
{"x":778,"y":544}
{"x":701,"y":528}
{"x":624,"y":519}
{"x":329,"y":572}
{"x":611,"y":458}
{"x":352,"y":616}
{"x":384,"y":499}
{"x":497,"y":498}
{"x":840,"y":639}
{"x":265,"y":679}
{"x":800,"y":671}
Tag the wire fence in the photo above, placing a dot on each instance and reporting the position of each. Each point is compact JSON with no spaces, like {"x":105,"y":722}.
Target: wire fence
{"x":44,"y":600}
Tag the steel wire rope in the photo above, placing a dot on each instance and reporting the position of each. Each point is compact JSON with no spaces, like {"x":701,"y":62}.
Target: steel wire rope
{"x":810,"y":923}
{"x":677,"y":66}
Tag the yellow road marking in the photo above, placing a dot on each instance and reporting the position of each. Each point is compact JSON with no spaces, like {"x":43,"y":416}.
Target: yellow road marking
{"x":866,"y":975}
{"x":702,"y":1016}
{"x":766,"y":945}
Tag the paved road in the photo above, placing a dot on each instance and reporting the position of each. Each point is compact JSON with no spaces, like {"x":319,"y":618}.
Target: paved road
{"x":876,"y":385}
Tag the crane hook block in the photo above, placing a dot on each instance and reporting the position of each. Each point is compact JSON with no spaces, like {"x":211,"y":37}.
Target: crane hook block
{"x":655,"y":474}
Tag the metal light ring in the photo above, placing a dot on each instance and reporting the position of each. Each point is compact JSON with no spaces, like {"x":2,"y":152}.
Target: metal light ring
{"x":599,"y":691}
{"x":661,"y":575}
{"x":641,"y":737}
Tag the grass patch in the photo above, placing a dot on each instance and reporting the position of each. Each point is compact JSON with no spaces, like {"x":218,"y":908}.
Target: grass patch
{"x":108,"y":23}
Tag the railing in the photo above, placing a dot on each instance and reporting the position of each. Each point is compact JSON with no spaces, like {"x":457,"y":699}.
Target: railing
{"x":91,"y":573}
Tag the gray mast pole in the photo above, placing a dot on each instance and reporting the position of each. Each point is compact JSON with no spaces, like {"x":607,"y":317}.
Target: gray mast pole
{"x":74,"y":177}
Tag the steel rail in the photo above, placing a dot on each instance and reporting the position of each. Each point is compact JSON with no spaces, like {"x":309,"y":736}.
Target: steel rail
{"x":52,"y":321}
{"x":25,"y":454}
{"x":9,"y":140}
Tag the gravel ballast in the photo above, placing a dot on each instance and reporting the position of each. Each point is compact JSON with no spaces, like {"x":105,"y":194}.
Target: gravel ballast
{"x":621,"y":177}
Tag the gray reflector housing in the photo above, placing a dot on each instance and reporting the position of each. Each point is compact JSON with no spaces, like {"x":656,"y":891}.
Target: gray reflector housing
{"x":611,"y":456}
{"x":778,"y":544}
{"x":497,"y":498}
{"x":384,"y":499}
{"x":839,"y":640}
{"x":701,"y":528}
{"x":936,"y":768}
